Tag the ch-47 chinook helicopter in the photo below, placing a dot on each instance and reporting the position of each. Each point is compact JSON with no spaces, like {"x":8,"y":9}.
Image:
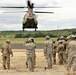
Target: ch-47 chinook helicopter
{"x":29,"y":19}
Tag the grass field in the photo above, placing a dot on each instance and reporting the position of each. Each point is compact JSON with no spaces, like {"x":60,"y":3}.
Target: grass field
{"x":21,"y":40}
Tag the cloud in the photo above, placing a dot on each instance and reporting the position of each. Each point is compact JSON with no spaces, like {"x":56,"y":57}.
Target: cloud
{"x":12,"y":2}
{"x":65,"y":16}
{"x":11,"y":27}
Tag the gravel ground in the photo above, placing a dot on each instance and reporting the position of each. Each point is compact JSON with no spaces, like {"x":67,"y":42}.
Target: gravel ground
{"x":18,"y":66}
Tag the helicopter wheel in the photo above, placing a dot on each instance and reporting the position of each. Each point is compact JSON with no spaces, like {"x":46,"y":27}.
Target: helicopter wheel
{"x":35,"y":29}
{"x":23,"y":29}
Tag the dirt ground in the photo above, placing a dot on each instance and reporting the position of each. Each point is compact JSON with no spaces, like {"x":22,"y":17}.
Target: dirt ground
{"x":18,"y":64}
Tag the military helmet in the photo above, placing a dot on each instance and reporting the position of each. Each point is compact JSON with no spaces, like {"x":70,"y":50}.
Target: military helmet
{"x":69,"y":37}
{"x":47,"y":37}
{"x":29,"y":40}
{"x":62,"y":37}
{"x":31,"y":37}
{"x":73,"y":36}
{"x":8,"y":41}
{"x":60,"y":41}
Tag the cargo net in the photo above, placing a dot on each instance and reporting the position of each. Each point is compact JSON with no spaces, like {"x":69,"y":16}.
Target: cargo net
{"x":18,"y":64}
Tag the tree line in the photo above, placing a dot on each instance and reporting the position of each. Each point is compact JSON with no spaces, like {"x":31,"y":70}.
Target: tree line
{"x":35,"y":34}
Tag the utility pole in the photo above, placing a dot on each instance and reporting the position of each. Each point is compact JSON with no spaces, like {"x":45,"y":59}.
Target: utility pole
{"x":58,"y":31}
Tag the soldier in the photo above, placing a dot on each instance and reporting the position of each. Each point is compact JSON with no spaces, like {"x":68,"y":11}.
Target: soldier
{"x":48,"y":47}
{"x":65,"y":56}
{"x":25,"y":42}
{"x":54,"y":51}
{"x":30,"y":47}
{"x":60,"y":49}
{"x":62,"y":38}
{"x":64,"y":51}
{"x":34,"y":51}
{"x":6,"y":51}
{"x":68,"y":40}
{"x":71,"y":50}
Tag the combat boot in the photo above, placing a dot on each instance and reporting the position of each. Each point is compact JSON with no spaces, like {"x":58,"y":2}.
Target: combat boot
{"x":73,"y":73}
{"x":31,"y":70}
{"x":4,"y":67}
{"x":8,"y":66}
{"x":54,"y":61}
{"x":26,"y":65}
{"x":67,"y":73}
{"x":47,"y":68}
{"x":60,"y":63}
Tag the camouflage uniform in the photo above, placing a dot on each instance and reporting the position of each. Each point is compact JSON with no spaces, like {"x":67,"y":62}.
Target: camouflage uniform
{"x":48,"y":47}
{"x":71,"y":50}
{"x":54,"y":52}
{"x":33,"y":51}
{"x":60,"y":49}
{"x":30,"y":47}
{"x":64,"y":52}
{"x":25,"y":42}
{"x":6,"y":51}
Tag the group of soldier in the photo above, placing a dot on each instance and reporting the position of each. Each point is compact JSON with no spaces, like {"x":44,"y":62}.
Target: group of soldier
{"x":65,"y":47}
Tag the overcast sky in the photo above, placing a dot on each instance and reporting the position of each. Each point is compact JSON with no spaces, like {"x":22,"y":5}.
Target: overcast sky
{"x":63,"y":18}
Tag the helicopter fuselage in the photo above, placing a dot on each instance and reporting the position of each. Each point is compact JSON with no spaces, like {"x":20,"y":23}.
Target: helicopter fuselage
{"x":29,"y":22}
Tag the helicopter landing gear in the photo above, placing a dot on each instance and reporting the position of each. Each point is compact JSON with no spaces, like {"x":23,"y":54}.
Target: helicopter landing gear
{"x":23,"y":29}
{"x":35,"y":29}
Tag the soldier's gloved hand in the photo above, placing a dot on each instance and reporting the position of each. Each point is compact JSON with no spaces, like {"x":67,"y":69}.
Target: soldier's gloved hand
{"x":11,"y":55}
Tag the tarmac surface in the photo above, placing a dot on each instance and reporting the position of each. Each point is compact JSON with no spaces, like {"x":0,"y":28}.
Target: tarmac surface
{"x":21,"y":46}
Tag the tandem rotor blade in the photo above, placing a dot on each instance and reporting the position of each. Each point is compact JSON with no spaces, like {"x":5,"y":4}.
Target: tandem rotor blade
{"x":43,"y":12}
{"x":26,"y":11}
{"x":25,"y":7}
{"x":47,"y":7}
{"x":13,"y":7}
{"x":14,"y":11}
